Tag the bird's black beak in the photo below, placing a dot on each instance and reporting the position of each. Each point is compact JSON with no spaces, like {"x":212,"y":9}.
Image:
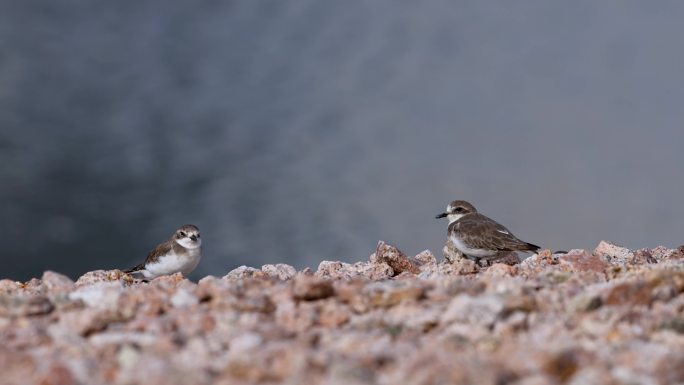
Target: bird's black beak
{"x":193,"y":237}
{"x":442,"y":215}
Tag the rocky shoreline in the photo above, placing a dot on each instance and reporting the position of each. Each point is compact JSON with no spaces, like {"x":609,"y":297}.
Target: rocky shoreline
{"x":611,"y":316}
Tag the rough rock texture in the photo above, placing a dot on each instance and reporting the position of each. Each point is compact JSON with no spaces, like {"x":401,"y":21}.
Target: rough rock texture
{"x":611,"y":316}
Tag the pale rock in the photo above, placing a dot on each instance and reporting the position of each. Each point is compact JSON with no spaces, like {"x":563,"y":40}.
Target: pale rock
{"x":457,"y":267}
{"x":341,"y":270}
{"x":57,"y":286}
{"x":243,"y":272}
{"x":280,"y":271}
{"x":613,"y":253}
{"x":331,"y":269}
{"x":390,"y":293}
{"x":482,"y":310}
{"x":501,"y":270}
{"x":101,"y":294}
{"x":96,"y":276}
{"x":127,"y":357}
{"x":425,"y":258}
{"x":245,"y":343}
{"x":23,"y":305}
{"x":7,"y":286}
{"x":184,"y":297}
{"x":552,"y":319}
{"x":662,"y":253}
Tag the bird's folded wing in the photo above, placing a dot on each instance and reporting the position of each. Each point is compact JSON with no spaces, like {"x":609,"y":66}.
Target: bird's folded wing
{"x":481,"y":232}
{"x":159,"y":251}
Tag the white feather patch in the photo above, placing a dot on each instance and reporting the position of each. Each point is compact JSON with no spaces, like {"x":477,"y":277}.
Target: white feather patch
{"x":189,"y":243}
{"x":172,"y":263}
{"x":470,"y":251}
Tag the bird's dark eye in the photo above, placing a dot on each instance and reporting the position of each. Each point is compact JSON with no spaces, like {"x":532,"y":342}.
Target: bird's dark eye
{"x":182,"y":233}
{"x":198,"y":235}
{"x":458,"y":209}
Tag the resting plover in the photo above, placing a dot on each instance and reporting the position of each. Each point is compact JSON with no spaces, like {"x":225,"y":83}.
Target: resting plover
{"x":478,"y":236}
{"x":179,"y":254}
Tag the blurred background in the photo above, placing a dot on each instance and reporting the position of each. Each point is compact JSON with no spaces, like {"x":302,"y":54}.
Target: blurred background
{"x":302,"y":131}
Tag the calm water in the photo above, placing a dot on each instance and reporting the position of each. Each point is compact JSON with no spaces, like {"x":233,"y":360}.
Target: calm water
{"x":301,"y":131}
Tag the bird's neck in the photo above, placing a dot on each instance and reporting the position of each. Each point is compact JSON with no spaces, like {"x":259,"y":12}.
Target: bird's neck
{"x":454,"y":217}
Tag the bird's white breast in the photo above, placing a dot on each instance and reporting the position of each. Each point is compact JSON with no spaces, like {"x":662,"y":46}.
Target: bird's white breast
{"x":469,"y":251}
{"x":173,"y":263}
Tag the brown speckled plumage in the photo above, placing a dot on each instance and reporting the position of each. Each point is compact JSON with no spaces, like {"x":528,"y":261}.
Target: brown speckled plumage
{"x":480,"y":232}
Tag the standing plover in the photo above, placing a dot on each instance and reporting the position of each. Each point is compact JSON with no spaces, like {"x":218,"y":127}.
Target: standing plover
{"x":478,"y":236}
{"x":178,"y":254}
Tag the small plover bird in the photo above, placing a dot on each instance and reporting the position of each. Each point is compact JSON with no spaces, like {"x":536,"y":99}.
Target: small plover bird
{"x":478,"y":236}
{"x":179,"y":254}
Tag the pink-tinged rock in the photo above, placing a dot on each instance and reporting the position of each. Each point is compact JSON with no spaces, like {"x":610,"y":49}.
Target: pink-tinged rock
{"x":662,"y":253}
{"x":591,"y":376}
{"x":7,"y":286}
{"x":614,"y":253}
{"x":184,"y":297}
{"x":331,"y":269}
{"x":252,"y":304}
{"x":507,"y":257}
{"x":266,"y":364}
{"x":398,"y":261}
{"x":539,"y":261}
{"x":629,"y":293}
{"x":297,"y":317}
{"x":168,"y":283}
{"x":32,"y":287}
{"x":57,"y":285}
{"x":102,"y":295}
{"x":424,"y":258}
{"x":349,"y":291}
{"x":481,"y":311}
{"x":243,"y":272}
{"x":190,"y":322}
{"x":374,"y":271}
{"x":457,"y":267}
{"x":341,"y":270}
{"x":310,"y":288}
{"x":56,"y":374}
{"x":563,"y":365}
{"x":211,"y":287}
{"x":501,"y":270}
{"x":104,"y":276}
{"x":662,"y":285}
{"x":20,"y":334}
{"x":24,"y":305}
{"x":333,"y":314}
{"x":89,"y":320}
{"x":580,"y":260}
{"x":643,"y":256}
{"x":549,"y":323}
{"x":18,"y":367}
{"x":390,"y":293}
{"x":280,"y":271}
